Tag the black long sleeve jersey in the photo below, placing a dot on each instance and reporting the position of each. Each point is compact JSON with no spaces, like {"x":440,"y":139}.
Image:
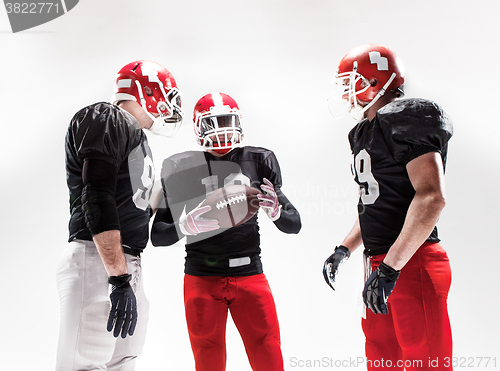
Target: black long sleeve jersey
{"x":188,"y":178}
{"x":401,"y":131}
{"x":106,"y":132}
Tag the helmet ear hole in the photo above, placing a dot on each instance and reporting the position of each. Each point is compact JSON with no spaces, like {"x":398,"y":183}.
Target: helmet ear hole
{"x":148,"y":91}
{"x":373,"y":82}
{"x":162,"y":107}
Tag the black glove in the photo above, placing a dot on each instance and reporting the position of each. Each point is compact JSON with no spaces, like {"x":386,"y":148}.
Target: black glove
{"x":123,"y":313}
{"x":378,"y":287}
{"x":331,"y":266}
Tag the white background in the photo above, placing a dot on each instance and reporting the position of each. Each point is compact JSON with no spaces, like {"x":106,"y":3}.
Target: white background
{"x":276,"y":58}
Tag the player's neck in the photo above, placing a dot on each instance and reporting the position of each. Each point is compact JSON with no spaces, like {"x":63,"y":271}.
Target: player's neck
{"x":383,"y":101}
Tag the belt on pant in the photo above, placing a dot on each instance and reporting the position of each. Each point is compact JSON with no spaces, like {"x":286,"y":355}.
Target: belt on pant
{"x":133,"y":252}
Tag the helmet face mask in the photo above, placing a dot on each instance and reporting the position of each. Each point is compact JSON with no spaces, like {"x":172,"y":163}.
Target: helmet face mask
{"x":364,"y":75}
{"x":170,"y":114}
{"x":345,"y":99}
{"x":217,"y":123}
{"x":154,"y":88}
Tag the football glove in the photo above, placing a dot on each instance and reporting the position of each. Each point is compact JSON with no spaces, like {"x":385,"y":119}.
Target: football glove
{"x":378,"y":287}
{"x":123,"y":313}
{"x":269,"y":201}
{"x":193,"y":223}
{"x":331,"y":266}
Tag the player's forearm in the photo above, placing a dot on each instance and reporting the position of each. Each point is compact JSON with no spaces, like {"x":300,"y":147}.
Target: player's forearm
{"x":353,"y":239}
{"x":289,"y":220}
{"x":111,"y":252}
{"x":422,"y":216}
{"x":101,"y":215}
{"x":164,"y":234}
{"x":164,"y":231}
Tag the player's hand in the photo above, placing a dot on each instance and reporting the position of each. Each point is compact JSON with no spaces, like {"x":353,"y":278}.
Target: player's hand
{"x":269,"y":200}
{"x":193,"y":223}
{"x":123,"y":313}
{"x":378,"y":287}
{"x":331,"y":266}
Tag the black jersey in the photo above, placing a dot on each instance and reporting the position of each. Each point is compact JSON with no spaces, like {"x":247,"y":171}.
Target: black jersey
{"x":189,"y":177}
{"x":106,"y":132}
{"x":401,"y":131}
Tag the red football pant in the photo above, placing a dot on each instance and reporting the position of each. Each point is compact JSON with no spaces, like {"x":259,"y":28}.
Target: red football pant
{"x":416,"y":334}
{"x":207,"y":300}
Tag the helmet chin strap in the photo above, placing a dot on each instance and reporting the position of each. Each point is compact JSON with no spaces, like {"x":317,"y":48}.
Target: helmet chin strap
{"x":359,"y":114}
{"x":166,"y":129}
{"x":222,"y":151}
{"x":219,"y":146}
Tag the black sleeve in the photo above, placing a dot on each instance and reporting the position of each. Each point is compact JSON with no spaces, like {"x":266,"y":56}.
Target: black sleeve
{"x":98,"y":196}
{"x":413,"y":127}
{"x":164,"y":229}
{"x":289,"y":221}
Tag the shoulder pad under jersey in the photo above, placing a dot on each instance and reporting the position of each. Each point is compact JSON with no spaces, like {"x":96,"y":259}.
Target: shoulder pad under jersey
{"x":413,"y":127}
{"x":105,"y":131}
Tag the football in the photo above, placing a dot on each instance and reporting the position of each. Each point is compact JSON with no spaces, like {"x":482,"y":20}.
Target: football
{"x":232,"y":205}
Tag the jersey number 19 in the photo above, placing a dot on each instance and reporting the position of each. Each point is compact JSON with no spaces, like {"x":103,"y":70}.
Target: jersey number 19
{"x":368,"y":186}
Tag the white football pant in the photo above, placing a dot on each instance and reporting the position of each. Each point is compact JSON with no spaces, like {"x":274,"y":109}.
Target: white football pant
{"x":84,"y":342}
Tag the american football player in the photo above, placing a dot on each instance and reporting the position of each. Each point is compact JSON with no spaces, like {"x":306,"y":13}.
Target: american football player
{"x":110,"y":177}
{"x":400,"y":148}
{"x":223,"y":269}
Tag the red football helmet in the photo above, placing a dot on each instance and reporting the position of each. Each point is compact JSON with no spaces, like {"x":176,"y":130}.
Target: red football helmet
{"x":154,"y":88}
{"x":365,"y":74}
{"x":217,"y":122}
